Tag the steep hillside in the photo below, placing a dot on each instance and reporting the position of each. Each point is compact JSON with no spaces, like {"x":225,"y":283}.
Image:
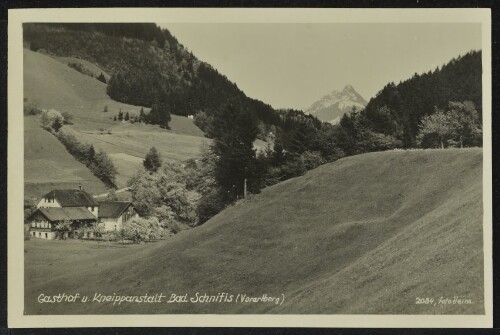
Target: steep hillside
{"x":48,"y":165}
{"x":398,"y":108}
{"x":365,"y":234}
{"x":50,"y":83}
{"x":87,"y":66}
{"x":146,"y":64}
{"x":332,"y":106}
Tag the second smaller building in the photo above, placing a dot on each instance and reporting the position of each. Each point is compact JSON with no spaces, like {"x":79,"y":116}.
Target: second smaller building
{"x":114,"y":213}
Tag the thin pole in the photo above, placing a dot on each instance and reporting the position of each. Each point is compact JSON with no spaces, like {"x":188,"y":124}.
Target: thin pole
{"x":245,"y":188}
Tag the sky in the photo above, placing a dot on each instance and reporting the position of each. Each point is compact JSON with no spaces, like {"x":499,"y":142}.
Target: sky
{"x":292,"y":65}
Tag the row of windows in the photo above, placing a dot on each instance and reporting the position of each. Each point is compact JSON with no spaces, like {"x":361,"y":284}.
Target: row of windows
{"x":41,"y":224}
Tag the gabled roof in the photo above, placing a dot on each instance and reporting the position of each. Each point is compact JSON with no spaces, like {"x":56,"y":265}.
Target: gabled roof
{"x":72,"y":198}
{"x":68,"y":213}
{"x":113,"y":209}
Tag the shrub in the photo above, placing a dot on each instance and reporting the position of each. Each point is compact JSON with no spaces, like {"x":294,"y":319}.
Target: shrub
{"x":311,"y":159}
{"x":101,"y":78}
{"x":35,"y":46}
{"x":68,"y":117}
{"x":203,"y":121}
{"x":173,"y":227}
{"x":52,"y":120}
{"x":27,"y":234}
{"x":143,"y":229}
{"x":62,"y":229}
{"x":98,"y":163}
{"x":29,"y":207}
{"x":210,"y":205}
{"x":30,"y":109}
{"x":98,"y":229}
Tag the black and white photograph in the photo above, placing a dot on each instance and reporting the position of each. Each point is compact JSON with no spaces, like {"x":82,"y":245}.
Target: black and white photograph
{"x":301,"y":167}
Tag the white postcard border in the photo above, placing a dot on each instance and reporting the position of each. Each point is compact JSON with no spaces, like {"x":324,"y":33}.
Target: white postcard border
{"x":17,"y":319}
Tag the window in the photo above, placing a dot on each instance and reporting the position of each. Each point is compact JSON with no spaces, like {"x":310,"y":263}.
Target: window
{"x":46,"y":235}
{"x":34,"y":234}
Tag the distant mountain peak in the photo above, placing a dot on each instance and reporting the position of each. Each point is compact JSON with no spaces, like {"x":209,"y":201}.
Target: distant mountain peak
{"x":332,"y":106}
{"x":348,"y":88}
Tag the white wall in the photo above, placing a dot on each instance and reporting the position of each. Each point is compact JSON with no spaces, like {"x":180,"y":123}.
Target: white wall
{"x":111,"y":224}
{"x":95,"y":211}
{"x":49,"y":235}
{"x":44,"y":203}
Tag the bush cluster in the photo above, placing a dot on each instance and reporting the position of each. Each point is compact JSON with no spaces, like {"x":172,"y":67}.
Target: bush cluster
{"x":98,"y":163}
{"x":143,"y":229}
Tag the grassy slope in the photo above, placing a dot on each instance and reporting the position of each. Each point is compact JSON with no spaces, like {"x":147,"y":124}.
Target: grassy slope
{"x":50,"y":83}
{"x":366,"y":234}
{"x":92,"y":68}
{"x":48,"y":165}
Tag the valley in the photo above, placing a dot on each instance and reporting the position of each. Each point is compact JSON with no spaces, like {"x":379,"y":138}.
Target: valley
{"x":410,"y":228}
{"x":335,"y":212}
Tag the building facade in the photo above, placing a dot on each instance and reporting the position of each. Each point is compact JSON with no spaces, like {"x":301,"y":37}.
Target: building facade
{"x":81,"y":211}
{"x":114,"y":213}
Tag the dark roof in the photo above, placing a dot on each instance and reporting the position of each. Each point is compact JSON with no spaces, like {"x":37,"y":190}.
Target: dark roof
{"x":72,"y":198}
{"x":112,"y":209}
{"x":71,"y":213}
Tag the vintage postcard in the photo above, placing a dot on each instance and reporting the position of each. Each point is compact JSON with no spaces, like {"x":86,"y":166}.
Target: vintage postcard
{"x":250,"y":167}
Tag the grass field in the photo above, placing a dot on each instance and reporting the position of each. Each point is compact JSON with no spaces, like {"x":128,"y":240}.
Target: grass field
{"x":50,"y":83}
{"x":47,"y":164}
{"x":92,"y":68}
{"x":367,"y":234}
{"x":127,"y":148}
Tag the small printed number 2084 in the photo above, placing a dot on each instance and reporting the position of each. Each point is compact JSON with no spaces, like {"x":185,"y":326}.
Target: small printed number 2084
{"x":425,"y":301}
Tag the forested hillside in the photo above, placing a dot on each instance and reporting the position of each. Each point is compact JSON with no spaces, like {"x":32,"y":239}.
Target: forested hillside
{"x":398,"y":109}
{"x":147,"y":65}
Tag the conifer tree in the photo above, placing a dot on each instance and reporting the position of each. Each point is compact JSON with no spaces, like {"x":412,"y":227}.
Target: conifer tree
{"x":141,"y":115}
{"x":152,"y":161}
{"x":91,"y":153}
{"x":233,"y":146}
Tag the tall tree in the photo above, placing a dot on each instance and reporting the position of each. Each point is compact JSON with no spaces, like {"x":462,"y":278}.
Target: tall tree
{"x":91,"y":153}
{"x":435,"y":130}
{"x":152,"y":162}
{"x":233,"y":146}
{"x":160,"y":114}
{"x":465,"y":122}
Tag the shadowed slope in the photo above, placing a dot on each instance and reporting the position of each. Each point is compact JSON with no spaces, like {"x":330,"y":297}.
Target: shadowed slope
{"x":48,"y":165}
{"x":366,"y":234}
